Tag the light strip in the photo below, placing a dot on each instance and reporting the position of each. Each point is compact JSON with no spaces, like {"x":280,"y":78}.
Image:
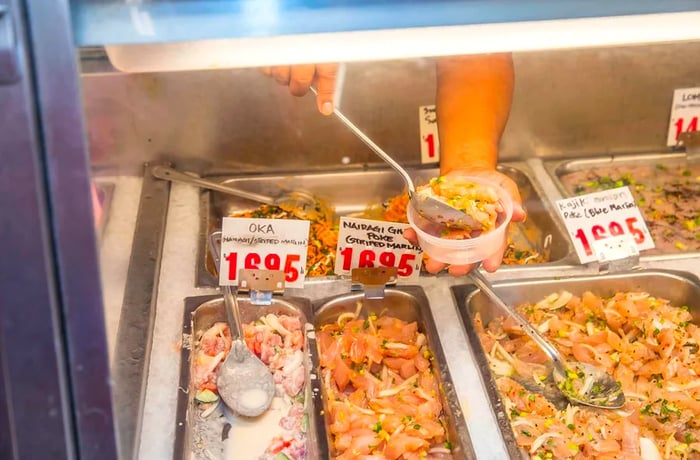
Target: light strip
{"x":407,"y":43}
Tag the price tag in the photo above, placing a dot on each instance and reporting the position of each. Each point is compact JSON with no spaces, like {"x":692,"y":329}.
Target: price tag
{"x":684,"y":113}
{"x":599,"y":215}
{"x":267,"y":244}
{"x":364,"y":243}
{"x":429,"y":143}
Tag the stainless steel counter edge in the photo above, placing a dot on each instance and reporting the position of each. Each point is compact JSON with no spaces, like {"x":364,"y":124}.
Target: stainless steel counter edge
{"x":177,"y":282}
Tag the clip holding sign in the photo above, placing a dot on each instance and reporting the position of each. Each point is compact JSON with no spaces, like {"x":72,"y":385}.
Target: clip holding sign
{"x":261,"y":284}
{"x":616,"y":254}
{"x":373,"y":280}
{"x":691,"y":142}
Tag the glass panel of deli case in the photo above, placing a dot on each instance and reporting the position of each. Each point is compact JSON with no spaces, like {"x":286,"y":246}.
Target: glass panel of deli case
{"x":55,"y":399}
{"x":239,"y":128}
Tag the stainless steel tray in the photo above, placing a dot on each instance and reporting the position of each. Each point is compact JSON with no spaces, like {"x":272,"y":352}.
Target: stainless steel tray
{"x":408,"y":303}
{"x":354,"y":191}
{"x":680,"y":288}
{"x":646,"y":163}
{"x":203,"y":438}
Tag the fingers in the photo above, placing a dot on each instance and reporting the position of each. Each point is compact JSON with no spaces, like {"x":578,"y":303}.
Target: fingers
{"x":411,"y":236}
{"x":512,"y":189}
{"x":281,"y":74}
{"x":325,"y":84}
{"x":434,"y":267}
{"x":301,"y":78}
{"x":493,"y":262}
{"x":460,"y":270}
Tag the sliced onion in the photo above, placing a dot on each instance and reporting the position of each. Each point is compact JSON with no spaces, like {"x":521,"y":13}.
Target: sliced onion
{"x":542,"y":439}
{"x":555,"y":301}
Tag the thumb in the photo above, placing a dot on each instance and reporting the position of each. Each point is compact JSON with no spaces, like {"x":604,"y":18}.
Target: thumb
{"x":325,"y":84}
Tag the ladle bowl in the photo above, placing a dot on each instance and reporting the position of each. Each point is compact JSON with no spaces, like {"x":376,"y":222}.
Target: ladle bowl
{"x":580,"y":383}
{"x":244,"y":382}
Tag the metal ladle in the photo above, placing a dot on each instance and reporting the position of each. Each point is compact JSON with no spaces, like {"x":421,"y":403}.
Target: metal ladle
{"x":302,"y":204}
{"x":598,"y":388}
{"x":244,"y":382}
{"x":430,"y":208}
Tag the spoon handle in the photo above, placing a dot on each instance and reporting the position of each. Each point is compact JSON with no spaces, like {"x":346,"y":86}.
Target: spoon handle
{"x":232,"y":313}
{"x":166,"y":173}
{"x":374,"y":147}
{"x":529,"y":329}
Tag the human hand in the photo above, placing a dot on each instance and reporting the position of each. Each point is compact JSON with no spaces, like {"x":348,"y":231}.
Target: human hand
{"x":493,"y":262}
{"x":299,"y":79}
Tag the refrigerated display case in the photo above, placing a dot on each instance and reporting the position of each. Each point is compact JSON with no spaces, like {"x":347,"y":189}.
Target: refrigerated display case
{"x":97,"y":92}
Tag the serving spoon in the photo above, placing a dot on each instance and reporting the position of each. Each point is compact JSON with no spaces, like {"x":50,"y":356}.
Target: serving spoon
{"x":244,"y":382}
{"x":580,"y":383}
{"x":430,"y":208}
{"x":300,"y":203}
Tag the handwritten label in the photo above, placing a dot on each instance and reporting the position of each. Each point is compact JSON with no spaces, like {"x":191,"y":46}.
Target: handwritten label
{"x":268,"y":244}
{"x":684,"y":113}
{"x":599,"y":215}
{"x":364,"y":243}
{"x":429,"y":143}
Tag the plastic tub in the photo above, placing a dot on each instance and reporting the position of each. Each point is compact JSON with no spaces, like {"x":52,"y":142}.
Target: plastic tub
{"x":467,"y":251}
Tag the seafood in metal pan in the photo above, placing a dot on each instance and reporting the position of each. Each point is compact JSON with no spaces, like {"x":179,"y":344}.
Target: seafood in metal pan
{"x":649,"y":345}
{"x":375,"y":195}
{"x":382,"y":394}
{"x":667,"y":193}
{"x":277,"y":335}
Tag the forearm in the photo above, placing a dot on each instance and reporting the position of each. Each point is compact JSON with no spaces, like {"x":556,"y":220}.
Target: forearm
{"x":474,"y":95}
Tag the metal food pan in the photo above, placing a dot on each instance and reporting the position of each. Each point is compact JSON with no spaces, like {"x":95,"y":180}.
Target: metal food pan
{"x":407,"y":303}
{"x":680,"y":288}
{"x":355,"y":191}
{"x":203,"y":438}
{"x":656,"y":169}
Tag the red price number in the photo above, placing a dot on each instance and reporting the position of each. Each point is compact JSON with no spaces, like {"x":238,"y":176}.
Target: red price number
{"x":430,"y":140}
{"x":685,"y":125}
{"x":613,"y":229}
{"x":254,"y":261}
{"x":368,"y":258}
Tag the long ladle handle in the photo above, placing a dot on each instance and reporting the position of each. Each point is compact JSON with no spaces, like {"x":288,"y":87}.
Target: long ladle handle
{"x":166,"y":173}
{"x":529,"y":329}
{"x":374,"y":147}
{"x":230,"y":298}
{"x":233,"y":313}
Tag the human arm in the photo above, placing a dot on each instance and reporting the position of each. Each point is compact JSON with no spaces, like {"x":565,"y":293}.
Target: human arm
{"x":474,"y":95}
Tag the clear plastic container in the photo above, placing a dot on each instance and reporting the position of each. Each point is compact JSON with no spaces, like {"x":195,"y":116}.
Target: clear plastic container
{"x":466,"y":251}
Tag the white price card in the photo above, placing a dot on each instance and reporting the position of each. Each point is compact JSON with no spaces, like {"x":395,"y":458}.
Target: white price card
{"x":267,"y":244}
{"x":684,"y":113}
{"x":598,"y":215}
{"x":429,"y":143}
{"x":364,"y":243}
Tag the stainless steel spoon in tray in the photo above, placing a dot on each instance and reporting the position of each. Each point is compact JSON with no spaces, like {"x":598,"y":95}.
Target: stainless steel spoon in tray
{"x":302,"y":204}
{"x":429,"y":207}
{"x":580,"y":383}
{"x":244,"y":382}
